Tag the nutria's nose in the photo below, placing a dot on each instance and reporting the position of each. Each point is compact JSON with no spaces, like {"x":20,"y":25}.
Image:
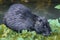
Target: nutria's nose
{"x":47,"y":33}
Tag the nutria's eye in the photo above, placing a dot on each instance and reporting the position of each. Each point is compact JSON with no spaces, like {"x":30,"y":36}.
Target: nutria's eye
{"x":40,"y":20}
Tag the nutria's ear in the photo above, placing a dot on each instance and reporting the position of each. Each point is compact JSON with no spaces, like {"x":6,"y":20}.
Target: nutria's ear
{"x":41,"y":18}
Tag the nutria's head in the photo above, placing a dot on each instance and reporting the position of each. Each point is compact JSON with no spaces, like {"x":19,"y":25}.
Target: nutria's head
{"x":42,"y":26}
